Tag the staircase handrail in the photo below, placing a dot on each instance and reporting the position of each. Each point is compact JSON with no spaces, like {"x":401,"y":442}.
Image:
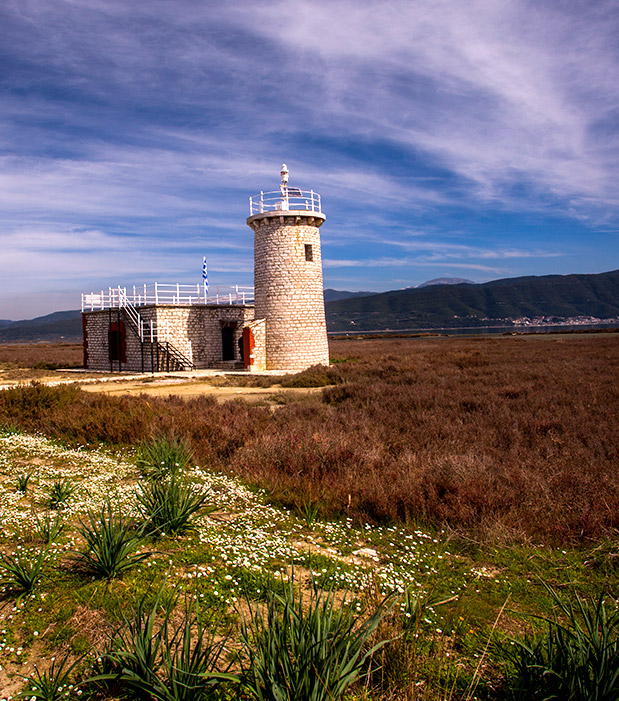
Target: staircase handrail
{"x":132,"y":312}
{"x":177,"y":355}
{"x":138,"y":323}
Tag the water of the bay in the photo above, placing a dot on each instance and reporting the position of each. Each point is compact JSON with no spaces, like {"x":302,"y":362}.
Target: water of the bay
{"x":484,"y":330}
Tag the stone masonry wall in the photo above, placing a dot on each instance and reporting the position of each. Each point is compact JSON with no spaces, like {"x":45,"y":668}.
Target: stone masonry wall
{"x":289,"y":289}
{"x":96,"y":329}
{"x":195,"y":331}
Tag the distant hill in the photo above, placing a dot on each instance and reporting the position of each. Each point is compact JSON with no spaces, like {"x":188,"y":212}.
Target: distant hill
{"x":479,"y":305}
{"x":333,"y":295}
{"x":446,"y":281}
{"x":66,"y":326}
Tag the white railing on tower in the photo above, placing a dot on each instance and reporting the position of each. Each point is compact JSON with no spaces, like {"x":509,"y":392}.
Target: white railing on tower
{"x":283,"y":200}
{"x":166,"y":294}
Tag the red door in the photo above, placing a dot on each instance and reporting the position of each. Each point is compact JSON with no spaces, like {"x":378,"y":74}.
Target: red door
{"x":248,"y":347}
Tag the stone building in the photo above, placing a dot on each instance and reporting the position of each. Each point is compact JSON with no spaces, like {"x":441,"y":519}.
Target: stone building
{"x":277,"y":325}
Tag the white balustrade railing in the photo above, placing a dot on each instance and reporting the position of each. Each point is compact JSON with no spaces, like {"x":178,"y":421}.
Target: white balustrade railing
{"x":283,"y":200}
{"x":148,"y":329}
{"x":152,"y":331}
{"x":165,"y":293}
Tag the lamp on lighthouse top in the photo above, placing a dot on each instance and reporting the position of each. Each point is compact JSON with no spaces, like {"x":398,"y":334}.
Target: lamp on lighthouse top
{"x":284,"y":187}
{"x":285,"y":199}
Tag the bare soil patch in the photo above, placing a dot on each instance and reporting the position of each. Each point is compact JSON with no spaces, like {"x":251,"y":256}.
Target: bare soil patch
{"x":189,"y":389}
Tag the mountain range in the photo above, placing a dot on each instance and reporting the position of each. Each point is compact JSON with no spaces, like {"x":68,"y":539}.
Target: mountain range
{"x":335,"y":295}
{"x":491,"y":303}
{"x":446,"y":281}
{"x":444,"y":302}
{"x":59,"y":326}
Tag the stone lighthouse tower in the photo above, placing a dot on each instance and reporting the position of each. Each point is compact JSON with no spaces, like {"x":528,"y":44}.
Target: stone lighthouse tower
{"x":288,"y":276}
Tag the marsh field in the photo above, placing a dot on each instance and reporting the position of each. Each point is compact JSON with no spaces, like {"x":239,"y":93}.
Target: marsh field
{"x":468,"y":484}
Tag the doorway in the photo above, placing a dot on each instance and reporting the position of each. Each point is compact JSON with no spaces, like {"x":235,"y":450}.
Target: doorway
{"x":227,"y":340}
{"x":116,"y":342}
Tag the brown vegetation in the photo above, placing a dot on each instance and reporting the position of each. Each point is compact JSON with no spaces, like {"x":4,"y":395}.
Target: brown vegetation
{"x":41,"y":355}
{"x":504,"y":436}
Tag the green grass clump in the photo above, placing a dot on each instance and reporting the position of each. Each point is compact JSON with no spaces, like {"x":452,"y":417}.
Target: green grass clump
{"x":166,"y":658}
{"x":22,"y":573}
{"x":168,"y":505}
{"x":576,"y":657}
{"x":58,"y":494}
{"x":297,"y":652}
{"x":111,"y":542}
{"x":21,"y":482}
{"x":9,"y":428}
{"x":166,"y":500}
{"x":258,"y":585}
{"x":48,"y":527}
{"x":53,"y":684}
{"x":163,"y":457}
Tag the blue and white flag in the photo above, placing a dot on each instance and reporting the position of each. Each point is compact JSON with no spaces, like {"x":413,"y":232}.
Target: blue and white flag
{"x":205,"y":275}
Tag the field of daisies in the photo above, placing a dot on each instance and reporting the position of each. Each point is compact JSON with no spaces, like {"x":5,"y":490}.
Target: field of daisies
{"x":144,"y":575}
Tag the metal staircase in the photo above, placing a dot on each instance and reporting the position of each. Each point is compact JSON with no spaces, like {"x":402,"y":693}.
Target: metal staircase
{"x":154,"y":340}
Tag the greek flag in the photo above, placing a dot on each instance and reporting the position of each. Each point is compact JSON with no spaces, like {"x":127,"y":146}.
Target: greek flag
{"x":205,"y":275}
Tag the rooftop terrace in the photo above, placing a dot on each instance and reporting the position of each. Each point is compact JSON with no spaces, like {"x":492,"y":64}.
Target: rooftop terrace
{"x":167,"y":294}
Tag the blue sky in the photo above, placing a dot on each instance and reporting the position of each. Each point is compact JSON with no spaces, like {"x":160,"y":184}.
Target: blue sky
{"x":472,"y":139}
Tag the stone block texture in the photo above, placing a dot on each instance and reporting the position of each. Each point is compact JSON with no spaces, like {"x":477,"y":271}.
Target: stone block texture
{"x":194,"y":331}
{"x":288,"y":288}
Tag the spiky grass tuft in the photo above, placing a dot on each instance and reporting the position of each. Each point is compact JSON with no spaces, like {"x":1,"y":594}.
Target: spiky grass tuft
{"x":111,"y":543}
{"x":313,"y":650}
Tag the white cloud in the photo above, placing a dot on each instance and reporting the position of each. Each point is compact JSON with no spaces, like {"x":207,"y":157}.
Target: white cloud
{"x":407,"y":262}
{"x":499,"y":92}
{"x":70,"y":261}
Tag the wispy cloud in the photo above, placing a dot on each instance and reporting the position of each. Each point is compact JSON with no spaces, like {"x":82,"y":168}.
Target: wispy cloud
{"x":408,"y":263}
{"x":499,"y":93}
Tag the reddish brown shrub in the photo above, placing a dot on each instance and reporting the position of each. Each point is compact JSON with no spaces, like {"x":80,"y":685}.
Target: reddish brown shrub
{"x":517,"y":435}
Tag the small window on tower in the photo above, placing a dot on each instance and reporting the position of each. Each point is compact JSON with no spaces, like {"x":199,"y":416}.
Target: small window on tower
{"x":309,"y":254}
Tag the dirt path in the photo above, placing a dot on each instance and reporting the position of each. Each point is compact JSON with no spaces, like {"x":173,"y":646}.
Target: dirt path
{"x":167,"y":387}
